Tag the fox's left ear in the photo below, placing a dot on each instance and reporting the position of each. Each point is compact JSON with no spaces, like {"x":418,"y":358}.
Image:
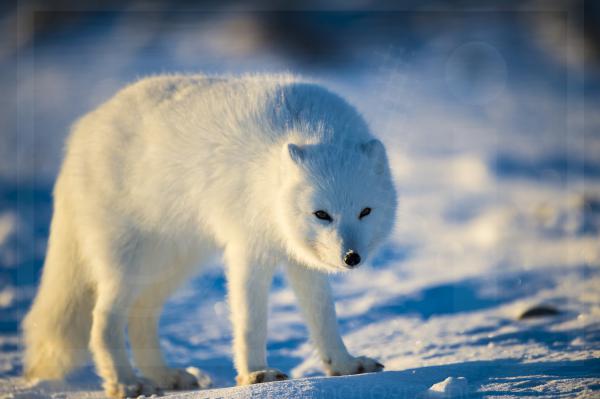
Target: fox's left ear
{"x":375,"y":150}
{"x":294,"y":153}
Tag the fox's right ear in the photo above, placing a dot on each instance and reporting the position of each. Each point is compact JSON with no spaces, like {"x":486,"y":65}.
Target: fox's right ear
{"x":375,"y":150}
{"x":294,"y":152}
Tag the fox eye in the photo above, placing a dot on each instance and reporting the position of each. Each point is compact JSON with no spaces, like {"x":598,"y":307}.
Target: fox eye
{"x":323,"y":216}
{"x":364,"y":213}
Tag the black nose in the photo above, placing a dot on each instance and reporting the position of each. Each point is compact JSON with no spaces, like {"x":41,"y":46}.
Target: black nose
{"x":352,"y":258}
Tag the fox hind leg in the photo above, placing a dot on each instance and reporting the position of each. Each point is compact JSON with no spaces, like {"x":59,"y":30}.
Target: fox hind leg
{"x":144,"y":315}
{"x":144,"y":339}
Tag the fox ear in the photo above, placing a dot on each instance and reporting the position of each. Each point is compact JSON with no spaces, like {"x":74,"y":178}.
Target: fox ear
{"x":375,"y":150}
{"x":295,"y":153}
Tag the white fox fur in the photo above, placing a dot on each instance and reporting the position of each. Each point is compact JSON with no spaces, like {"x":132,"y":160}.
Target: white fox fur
{"x":175,"y":168}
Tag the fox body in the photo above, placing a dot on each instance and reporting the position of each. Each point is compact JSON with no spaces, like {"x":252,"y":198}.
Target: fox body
{"x":172,"y":170}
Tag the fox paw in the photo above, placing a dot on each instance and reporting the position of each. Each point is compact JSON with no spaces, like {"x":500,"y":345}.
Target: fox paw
{"x":134,"y":388}
{"x":178,"y":379}
{"x":256,"y":377}
{"x":354,"y":365}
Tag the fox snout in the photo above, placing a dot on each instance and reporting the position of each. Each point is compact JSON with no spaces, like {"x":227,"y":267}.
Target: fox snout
{"x":351,"y":258}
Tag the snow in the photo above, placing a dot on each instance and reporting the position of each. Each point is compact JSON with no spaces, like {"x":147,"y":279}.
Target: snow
{"x":499,"y":213}
{"x":449,"y":388}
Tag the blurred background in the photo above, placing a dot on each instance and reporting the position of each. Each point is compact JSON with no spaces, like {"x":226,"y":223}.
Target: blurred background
{"x":490,"y":114}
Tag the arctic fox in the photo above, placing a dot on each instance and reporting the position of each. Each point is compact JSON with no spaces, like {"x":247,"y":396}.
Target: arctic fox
{"x":173,"y":169}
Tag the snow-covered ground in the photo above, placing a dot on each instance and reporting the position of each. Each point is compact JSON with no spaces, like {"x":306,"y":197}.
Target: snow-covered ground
{"x":498,"y":175}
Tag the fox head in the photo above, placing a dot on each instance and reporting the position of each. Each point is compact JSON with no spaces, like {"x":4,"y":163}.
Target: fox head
{"x":336,"y":203}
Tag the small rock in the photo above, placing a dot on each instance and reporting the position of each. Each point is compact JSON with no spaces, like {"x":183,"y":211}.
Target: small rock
{"x":578,"y":342}
{"x":539,"y":311}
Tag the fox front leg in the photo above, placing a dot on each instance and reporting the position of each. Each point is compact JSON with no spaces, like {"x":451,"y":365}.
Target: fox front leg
{"x":314,"y":296}
{"x":249,"y":283}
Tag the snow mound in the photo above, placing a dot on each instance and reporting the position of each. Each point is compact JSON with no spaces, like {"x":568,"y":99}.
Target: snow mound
{"x":451,"y":387}
{"x":370,"y":385}
{"x":204,"y":381}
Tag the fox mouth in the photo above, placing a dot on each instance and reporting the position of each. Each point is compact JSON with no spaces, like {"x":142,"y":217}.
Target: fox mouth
{"x":346,"y":267}
{"x":328,"y":264}
{"x":340,"y":267}
{"x":318,"y":249}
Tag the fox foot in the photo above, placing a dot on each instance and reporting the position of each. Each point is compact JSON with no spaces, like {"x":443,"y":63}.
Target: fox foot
{"x":178,"y":379}
{"x":353,"y":365}
{"x":134,"y":388}
{"x":256,"y":377}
